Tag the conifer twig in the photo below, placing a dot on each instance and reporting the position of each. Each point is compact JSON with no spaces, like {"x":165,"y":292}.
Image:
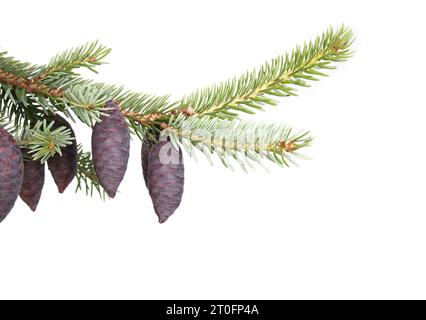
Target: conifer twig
{"x":278,"y":78}
{"x":88,"y":56}
{"x":242,"y":141}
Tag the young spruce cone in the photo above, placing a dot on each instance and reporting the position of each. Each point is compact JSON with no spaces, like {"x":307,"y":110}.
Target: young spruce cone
{"x":165,"y":179}
{"x":110,"y":148}
{"x":11,"y":172}
{"x":33,"y":182}
{"x":63,"y":168}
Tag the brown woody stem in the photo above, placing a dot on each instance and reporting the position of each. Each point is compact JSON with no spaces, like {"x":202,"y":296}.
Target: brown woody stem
{"x":30,"y":85}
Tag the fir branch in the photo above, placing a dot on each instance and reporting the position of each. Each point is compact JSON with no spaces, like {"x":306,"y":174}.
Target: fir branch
{"x":244,"y":142}
{"x":86,"y":176}
{"x":279,"y":78}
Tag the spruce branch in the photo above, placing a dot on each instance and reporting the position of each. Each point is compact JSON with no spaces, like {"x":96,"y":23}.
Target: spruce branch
{"x":29,"y":94}
{"x":9,"y":64}
{"x":28,"y":84}
{"x":278,"y":78}
{"x":89,"y":55}
{"x":241,"y":141}
{"x":56,"y":87}
{"x":43,"y":87}
{"x":205,"y":121}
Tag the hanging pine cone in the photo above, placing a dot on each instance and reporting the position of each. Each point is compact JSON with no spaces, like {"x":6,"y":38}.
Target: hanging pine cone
{"x":33,"y":182}
{"x":63,"y":167}
{"x":110,"y":148}
{"x":165,"y":179}
{"x":11,"y":172}
{"x":146,"y":148}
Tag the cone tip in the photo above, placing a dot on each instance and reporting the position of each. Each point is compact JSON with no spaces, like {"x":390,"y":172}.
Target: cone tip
{"x":161,"y":220}
{"x":32,"y":206}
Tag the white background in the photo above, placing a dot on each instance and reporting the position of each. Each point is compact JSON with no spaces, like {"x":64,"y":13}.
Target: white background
{"x":349,"y":224}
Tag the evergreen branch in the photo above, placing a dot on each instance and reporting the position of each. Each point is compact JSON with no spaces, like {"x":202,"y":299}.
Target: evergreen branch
{"x":28,"y":84}
{"x":55,"y":87}
{"x":29,"y":93}
{"x":88,"y":55}
{"x":244,"y":142}
{"x":84,"y":98}
{"x":86,"y":176}
{"x":17,"y":68}
{"x":279,"y":78}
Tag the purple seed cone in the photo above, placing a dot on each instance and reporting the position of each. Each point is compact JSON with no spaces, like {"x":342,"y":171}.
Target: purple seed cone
{"x":11,"y":172}
{"x":110,"y":148}
{"x":165,"y":179}
{"x":146,"y":148}
{"x":33,"y":183}
{"x":63,"y":167}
